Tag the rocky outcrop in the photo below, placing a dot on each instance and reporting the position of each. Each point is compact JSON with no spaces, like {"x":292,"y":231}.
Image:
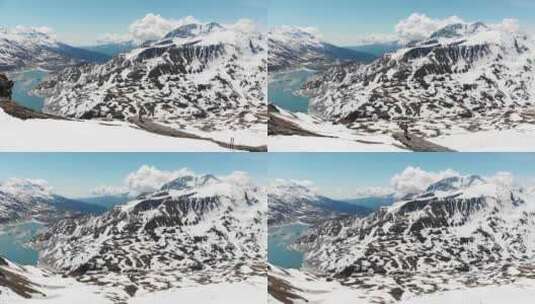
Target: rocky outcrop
{"x":6,"y":87}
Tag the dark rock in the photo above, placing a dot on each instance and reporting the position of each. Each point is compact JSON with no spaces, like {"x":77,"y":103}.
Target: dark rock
{"x":6,"y":87}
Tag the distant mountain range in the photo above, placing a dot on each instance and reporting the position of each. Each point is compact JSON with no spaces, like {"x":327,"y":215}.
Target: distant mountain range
{"x":29,"y":48}
{"x":377,"y":49}
{"x":107,"y":201}
{"x":23,"y":200}
{"x":372,"y":203}
{"x":292,"y":47}
{"x":290,"y":203}
{"x":112,"y":49}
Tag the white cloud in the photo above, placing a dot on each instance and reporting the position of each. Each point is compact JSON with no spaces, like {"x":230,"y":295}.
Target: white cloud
{"x":244,"y":25}
{"x":238,"y":178}
{"x":508,"y":25}
{"x":154,"y":26}
{"x":505,"y":179}
{"x":114,"y":38}
{"x":109,"y":190}
{"x":414,"y":180}
{"x":420,"y":26}
{"x":371,"y":192}
{"x":149,"y":178}
{"x":145,"y":179}
{"x":376,"y":38}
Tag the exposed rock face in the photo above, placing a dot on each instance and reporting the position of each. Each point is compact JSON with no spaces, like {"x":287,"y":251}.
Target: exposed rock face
{"x":6,"y":87}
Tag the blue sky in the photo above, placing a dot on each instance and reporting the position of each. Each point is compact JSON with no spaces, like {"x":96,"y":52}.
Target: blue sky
{"x":340,"y":20}
{"x":83,"y":21}
{"x":77,"y":174}
{"x":338,"y":175}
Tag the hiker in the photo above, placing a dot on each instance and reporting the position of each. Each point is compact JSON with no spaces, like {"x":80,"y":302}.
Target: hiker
{"x":139,"y":112}
{"x":405,"y":127}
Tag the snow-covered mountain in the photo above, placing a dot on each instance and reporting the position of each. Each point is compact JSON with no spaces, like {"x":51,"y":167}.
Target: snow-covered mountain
{"x":195,"y":230}
{"x":461,"y":72}
{"x":207,"y":76}
{"x":22,"y":199}
{"x":31,"y":48}
{"x":461,"y":232}
{"x":293,"y":47}
{"x":290,"y":202}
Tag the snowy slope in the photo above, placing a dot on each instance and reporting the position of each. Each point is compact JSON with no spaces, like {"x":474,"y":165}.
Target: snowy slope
{"x":196,"y":230}
{"x":39,"y":135}
{"x":203,"y":76}
{"x":295,"y":286}
{"x":293,"y":47}
{"x":29,"y":48}
{"x":290,"y":202}
{"x":473,"y":75}
{"x":301,"y":132}
{"x":28,"y":284}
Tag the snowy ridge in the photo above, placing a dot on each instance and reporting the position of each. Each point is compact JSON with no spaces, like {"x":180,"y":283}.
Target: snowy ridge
{"x":464,"y":72}
{"x":291,"y":202}
{"x":29,"y":47}
{"x":461,"y":232}
{"x":204,"y":76}
{"x":196,"y":230}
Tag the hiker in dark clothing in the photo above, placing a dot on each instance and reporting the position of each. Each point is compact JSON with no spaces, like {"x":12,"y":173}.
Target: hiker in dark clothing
{"x":139,"y":112}
{"x":405,"y":127}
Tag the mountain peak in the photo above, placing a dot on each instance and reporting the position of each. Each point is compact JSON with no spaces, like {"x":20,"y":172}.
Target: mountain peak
{"x":193,"y":30}
{"x":456,"y":183}
{"x":289,"y":190}
{"x":293,"y":33}
{"x":459,"y":29}
{"x":26,"y":188}
{"x":189,"y":182}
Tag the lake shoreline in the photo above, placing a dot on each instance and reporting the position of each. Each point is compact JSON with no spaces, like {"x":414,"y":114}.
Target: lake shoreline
{"x":284,"y":89}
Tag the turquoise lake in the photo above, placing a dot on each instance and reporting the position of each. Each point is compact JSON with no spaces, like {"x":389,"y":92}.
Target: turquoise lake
{"x":25,"y":81}
{"x":13,"y":239}
{"x":283,"y":87}
{"x":278,"y":252}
